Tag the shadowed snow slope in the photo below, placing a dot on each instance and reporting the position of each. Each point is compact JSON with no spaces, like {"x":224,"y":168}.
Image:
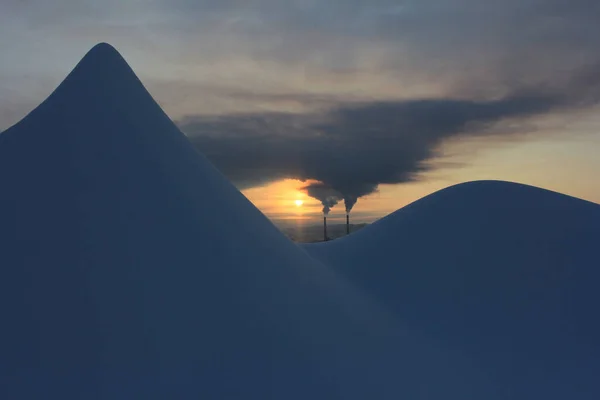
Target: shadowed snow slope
{"x":504,"y":273}
{"x":131,"y":269}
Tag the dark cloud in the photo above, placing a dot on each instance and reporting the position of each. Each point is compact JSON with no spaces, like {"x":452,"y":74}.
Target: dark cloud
{"x":329,"y":197}
{"x":460,"y":31}
{"x":353,"y":148}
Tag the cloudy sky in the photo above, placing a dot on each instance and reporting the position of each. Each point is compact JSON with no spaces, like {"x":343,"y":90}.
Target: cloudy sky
{"x":374,"y":103}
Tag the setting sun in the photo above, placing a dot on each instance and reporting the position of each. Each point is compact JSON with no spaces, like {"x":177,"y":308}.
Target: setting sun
{"x":298,"y":202}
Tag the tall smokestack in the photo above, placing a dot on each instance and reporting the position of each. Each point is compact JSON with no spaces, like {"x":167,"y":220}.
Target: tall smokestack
{"x":325,"y":228}
{"x":347,"y":224}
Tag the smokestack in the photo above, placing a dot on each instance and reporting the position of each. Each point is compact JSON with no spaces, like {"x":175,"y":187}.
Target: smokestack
{"x":325,"y":228}
{"x":347,"y":224}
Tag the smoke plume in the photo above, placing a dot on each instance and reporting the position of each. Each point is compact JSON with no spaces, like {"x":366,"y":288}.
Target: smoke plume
{"x":326,"y":195}
{"x":351,"y":149}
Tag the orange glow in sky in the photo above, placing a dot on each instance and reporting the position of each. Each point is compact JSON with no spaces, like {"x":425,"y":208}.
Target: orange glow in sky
{"x":284,"y":200}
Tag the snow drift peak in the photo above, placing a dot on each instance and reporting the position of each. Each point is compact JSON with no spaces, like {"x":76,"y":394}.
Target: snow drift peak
{"x":105,"y":48}
{"x":103,"y":62}
{"x":104,"y":51}
{"x":128,"y":255}
{"x":102,"y":73}
{"x":101,"y":96}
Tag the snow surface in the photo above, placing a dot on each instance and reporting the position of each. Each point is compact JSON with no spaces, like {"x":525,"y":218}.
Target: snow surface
{"x":130,"y":268}
{"x":504,"y":273}
{"x":122,"y":276}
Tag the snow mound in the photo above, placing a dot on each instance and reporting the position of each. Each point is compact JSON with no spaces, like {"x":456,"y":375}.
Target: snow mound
{"x":505,"y":273}
{"x":130,"y":268}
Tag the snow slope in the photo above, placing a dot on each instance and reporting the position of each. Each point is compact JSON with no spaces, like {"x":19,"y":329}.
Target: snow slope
{"x":504,"y":273}
{"x":121,"y":276}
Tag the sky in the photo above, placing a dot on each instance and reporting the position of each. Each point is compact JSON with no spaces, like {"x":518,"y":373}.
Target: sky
{"x":309,"y":105}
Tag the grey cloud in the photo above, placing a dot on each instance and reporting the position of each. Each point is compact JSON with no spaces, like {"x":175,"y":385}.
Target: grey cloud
{"x":490,"y":42}
{"x":329,"y":197}
{"x":353,"y":148}
{"x":36,"y":12}
{"x":458,"y":43}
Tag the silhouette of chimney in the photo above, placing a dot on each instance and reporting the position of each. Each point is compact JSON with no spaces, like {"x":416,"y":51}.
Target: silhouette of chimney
{"x":325,"y":228}
{"x":347,"y":224}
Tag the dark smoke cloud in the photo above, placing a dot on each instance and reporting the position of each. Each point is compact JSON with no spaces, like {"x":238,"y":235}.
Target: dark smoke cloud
{"x":352,"y":149}
{"x":326,"y":194}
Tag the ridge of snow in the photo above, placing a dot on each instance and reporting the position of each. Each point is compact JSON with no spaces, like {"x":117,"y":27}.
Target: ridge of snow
{"x":505,"y":273}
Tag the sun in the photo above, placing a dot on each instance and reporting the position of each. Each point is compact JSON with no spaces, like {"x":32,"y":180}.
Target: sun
{"x":299,"y":202}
